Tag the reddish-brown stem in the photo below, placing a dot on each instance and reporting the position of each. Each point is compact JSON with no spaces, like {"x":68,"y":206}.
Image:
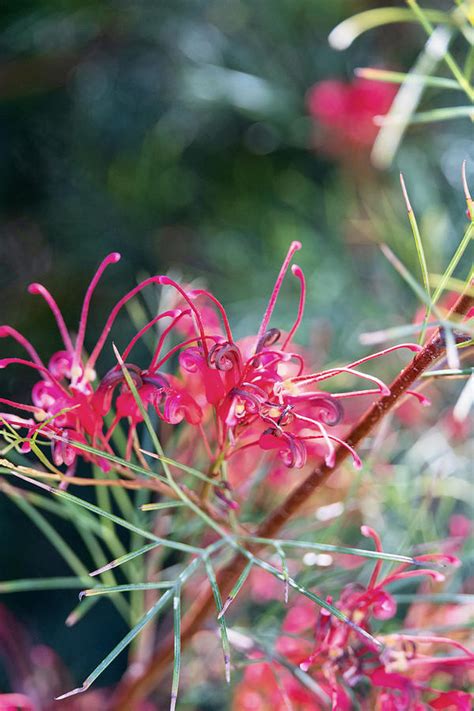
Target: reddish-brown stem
{"x":134,"y":689}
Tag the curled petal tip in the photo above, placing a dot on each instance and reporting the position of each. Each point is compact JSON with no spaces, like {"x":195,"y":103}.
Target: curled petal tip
{"x":114,"y":257}
{"x":34,"y":288}
{"x":296,"y":245}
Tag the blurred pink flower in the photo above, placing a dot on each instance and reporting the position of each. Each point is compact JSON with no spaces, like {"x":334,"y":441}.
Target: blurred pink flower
{"x":398,"y":666}
{"x":346,"y":112}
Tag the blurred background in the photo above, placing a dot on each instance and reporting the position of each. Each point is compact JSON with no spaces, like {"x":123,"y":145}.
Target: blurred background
{"x":199,"y":137}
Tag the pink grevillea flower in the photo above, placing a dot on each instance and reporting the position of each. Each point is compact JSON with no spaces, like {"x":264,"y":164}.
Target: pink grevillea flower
{"x":62,"y":407}
{"x":67,"y":407}
{"x":346,"y":112}
{"x":256,"y":394}
{"x":394,"y":673}
{"x":260,"y":390}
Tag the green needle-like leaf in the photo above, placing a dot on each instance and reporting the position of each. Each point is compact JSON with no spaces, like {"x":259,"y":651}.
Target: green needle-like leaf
{"x":35,"y":584}
{"x":110,"y":589}
{"x":235,"y":590}
{"x":349,"y":30}
{"x":130,"y":636}
{"x":177,"y":647}
{"x":100,"y":512}
{"x":220,"y":617}
{"x":447,"y":113}
{"x":402,"y":77}
{"x":125,"y":558}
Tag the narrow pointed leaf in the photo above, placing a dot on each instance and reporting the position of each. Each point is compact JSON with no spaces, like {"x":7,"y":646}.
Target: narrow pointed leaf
{"x":35,"y":584}
{"x":235,"y":590}
{"x":220,"y":617}
{"x":125,"y":558}
{"x":110,"y":589}
{"x":177,"y":647}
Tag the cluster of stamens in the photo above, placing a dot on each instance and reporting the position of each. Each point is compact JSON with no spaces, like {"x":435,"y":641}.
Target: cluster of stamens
{"x":255,"y":394}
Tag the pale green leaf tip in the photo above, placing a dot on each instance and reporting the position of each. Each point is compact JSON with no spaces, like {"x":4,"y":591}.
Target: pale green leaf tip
{"x":79,"y":690}
{"x":405,"y":194}
{"x":117,"y":354}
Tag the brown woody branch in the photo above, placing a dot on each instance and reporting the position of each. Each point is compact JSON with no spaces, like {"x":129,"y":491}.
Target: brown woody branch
{"x":132,"y":690}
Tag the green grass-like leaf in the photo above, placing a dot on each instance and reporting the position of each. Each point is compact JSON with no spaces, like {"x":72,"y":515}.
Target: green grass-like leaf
{"x":344,"y":34}
{"x":446,"y":113}
{"x":130,"y":636}
{"x":221,"y":618}
{"x":177,"y":646}
{"x":36,"y":584}
{"x":390,"y":77}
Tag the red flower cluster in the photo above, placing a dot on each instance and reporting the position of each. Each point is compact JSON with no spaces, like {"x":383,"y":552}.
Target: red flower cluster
{"x":391,"y":675}
{"x":256,"y":394}
{"x":346,"y":112}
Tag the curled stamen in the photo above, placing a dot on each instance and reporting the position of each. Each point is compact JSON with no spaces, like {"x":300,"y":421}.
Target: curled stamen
{"x":166,"y":281}
{"x":298,"y":273}
{"x":171,"y":314}
{"x":294,"y":247}
{"x":42,"y":291}
{"x":112,"y":258}
{"x":4,"y":362}
{"x":15,"y":421}
{"x":269,"y":338}
{"x":20,"y":406}
{"x":176,"y":348}
{"x":179,"y":315}
{"x":431,"y":639}
{"x":443,"y":559}
{"x":332,"y":411}
{"x":414,"y":347}
{"x":331,"y":454}
{"x":355,"y":457}
{"x":422,"y":399}
{"x":371,"y":533}
{"x":162,"y":280}
{"x":435,"y":574}
{"x":224,"y":356}
{"x":286,"y":416}
{"x":115,"y":376}
{"x":19,"y":338}
{"x":251,"y":400}
{"x":203,"y":292}
{"x":325,"y":374}
{"x":291,"y":449}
